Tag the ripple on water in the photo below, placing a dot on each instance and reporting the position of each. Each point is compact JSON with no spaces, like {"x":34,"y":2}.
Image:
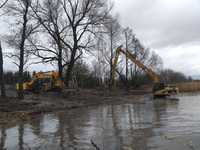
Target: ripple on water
{"x":157,"y":125}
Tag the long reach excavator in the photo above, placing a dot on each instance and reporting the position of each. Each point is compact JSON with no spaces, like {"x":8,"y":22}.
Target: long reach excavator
{"x":159,"y":89}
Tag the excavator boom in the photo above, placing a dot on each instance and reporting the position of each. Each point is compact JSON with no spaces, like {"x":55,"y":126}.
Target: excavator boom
{"x":132,"y":57}
{"x":159,"y":89}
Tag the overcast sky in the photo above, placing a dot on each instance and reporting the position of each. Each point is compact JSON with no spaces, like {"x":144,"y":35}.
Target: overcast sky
{"x":170,"y":27}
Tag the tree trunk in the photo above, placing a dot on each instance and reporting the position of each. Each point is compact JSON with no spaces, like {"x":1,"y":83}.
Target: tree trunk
{"x":3,"y":90}
{"x":126,"y":37}
{"x":72,"y":58}
{"x":70,"y":67}
{"x":135,"y":68}
{"x":69,"y":73}
{"x":20,"y":77}
{"x":21,"y":64}
{"x":60,"y":66}
{"x":111,"y":60}
{"x":60,"y":51}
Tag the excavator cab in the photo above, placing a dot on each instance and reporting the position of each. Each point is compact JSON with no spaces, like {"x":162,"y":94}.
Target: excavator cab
{"x":160,"y":90}
{"x":158,"y":86}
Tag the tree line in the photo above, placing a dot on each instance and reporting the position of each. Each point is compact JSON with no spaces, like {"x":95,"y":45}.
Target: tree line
{"x":69,"y":34}
{"x":85,"y":77}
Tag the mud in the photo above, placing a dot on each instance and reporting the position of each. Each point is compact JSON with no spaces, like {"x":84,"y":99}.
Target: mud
{"x":68,"y":99}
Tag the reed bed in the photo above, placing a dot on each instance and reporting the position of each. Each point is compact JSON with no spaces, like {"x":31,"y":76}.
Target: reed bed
{"x":193,"y":86}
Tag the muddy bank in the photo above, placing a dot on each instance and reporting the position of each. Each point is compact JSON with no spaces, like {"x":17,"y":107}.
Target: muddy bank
{"x":69,"y":99}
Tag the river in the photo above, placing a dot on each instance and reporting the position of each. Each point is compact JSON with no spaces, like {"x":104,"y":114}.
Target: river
{"x":153,"y":125}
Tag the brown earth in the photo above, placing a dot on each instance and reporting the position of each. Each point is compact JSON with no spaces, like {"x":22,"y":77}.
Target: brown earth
{"x":69,"y":99}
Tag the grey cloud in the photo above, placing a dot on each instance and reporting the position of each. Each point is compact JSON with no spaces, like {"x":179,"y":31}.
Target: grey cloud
{"x":162,"y":22}
{"x":170,"y":27}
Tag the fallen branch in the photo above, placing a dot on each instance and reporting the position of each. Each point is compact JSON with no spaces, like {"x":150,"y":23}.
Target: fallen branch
{"x":95,"y":146}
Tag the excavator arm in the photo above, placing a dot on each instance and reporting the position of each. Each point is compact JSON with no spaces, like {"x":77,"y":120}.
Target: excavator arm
{"x":159,"y":89}
{"x":132,"y":57}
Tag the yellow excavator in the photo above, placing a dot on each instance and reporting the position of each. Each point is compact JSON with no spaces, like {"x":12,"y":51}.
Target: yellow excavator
{"x":159,"y":89}
{"x":43,"y":81}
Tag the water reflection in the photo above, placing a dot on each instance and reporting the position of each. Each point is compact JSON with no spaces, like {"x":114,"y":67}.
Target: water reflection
{"x":61,"y":130}
{"x":3,"y":138}
{"x":21,"y":136}
{"x":110,"y":127}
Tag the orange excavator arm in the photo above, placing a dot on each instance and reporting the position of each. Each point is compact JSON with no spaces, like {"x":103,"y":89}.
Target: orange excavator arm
{"x":132,"y":57}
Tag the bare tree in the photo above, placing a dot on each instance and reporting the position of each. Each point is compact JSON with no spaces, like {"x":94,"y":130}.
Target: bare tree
{"x":101,"y":62}
{"x":84,"y":17}
{"x":24,"y":28}
{"x":21,"y":47}
{"x":155,"y":62}
{"x":50,"y":15}
{"x":170,"y":76}
{"x":80,"y":20}
{"x":127,"y":47}
{"x":144,"y":55}
{"x":134,"y":45}
{"x":3,"y":91}
{"x":2,"y":83}
{"x":113,"y":30}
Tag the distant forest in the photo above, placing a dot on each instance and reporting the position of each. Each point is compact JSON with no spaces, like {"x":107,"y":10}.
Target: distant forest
{"x":83,"y":77}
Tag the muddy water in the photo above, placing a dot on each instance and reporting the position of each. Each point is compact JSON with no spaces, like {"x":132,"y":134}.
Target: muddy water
{"x":154,"y":125}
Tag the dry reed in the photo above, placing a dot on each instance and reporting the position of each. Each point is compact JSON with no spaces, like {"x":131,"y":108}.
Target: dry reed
{"x":193,"y":86}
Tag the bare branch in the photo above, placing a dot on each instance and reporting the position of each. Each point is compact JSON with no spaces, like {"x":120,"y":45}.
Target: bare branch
{"x":3,"y":4}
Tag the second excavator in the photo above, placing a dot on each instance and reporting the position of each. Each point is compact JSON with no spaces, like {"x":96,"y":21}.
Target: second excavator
{"x":43,"y":81}
{"x":159,"y":89}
